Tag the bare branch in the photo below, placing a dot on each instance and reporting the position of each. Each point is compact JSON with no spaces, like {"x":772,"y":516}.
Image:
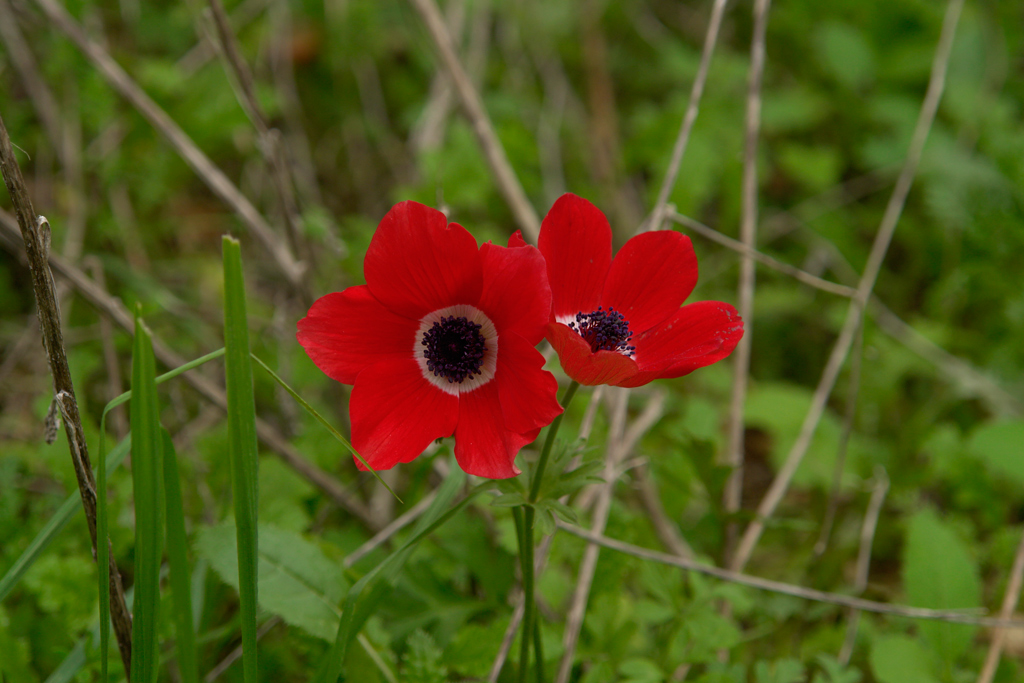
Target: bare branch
{"x":952,"y":616}
{"x":25,"y":63}
{"x":734,"y":456}
{"x":696,"y":92}
{"x":504,"y":176}
{"x":1010,"y":598}
{"x":854,"y":313}
{"x":270,"y":142}
{"x":735,"y":245}
{"x":614,"y":454}
{"x":867,"y":539}
{"x":35,"y":231}
{"x":186,"y":148}
{"x":113,"y":308}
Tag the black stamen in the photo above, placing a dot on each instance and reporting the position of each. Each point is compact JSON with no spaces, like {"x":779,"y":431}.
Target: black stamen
{"x":604,"y":330}
{"x":454,"y":349}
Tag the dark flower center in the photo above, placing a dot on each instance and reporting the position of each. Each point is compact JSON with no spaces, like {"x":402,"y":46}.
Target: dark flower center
{"x":604,"y":330}
{"x":454,"y":348}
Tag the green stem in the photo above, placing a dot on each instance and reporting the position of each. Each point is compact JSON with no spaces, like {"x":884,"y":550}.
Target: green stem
{"x":525,"y":527}
{"x":538,"y":476}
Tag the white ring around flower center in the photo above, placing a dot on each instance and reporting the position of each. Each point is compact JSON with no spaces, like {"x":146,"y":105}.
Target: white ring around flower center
{"x":489,"y":363}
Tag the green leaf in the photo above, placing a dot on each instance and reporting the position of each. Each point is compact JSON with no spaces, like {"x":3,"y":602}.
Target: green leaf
{"x":939,"y":572}
{"x":900,"y":659}
{"x":147,"y":486}
{"x":781,"y":671}
{"x":998,"y":446}
{"x":177,"y":559}
{"x":641,"y":670}
{"x":422,"y":661}
{"x":241,"y":445}
{"x":297,"y":582}
{"x":834,"y":672}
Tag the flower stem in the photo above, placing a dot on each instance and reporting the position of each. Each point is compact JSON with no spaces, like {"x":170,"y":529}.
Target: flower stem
{"x":538,"y":476}
{"x":524,"y":525}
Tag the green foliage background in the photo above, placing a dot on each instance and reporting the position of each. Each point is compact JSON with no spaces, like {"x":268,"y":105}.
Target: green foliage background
{"x":587,"y":96}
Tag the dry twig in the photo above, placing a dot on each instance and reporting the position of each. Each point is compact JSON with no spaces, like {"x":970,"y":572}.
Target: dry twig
{"x":35,"y":231}
{"x":748,"y":237}
{"x":696,"y":92}
{"x":182,"y":143}
{"x":951,"y":616}
{"x":1010,"y":598}
{"x":504,"y":176}
{"x":867,"y":538}
{"x":854,"y":313}
{"x":614,"y":454}
{"x":113,"y":308}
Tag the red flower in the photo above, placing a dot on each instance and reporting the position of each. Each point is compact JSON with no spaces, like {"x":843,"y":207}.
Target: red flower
{"x":620,"y":322}
{"x":439,"y":341}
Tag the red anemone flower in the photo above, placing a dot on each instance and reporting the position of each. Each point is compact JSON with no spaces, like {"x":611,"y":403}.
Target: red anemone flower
{"x":620,"y":322}
{"x":439,"y":341}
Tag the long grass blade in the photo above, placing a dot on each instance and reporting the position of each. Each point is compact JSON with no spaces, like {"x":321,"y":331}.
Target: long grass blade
{"x":381,"y":578}
{"x":101,"y":505}
{"x":241,"y":445}
{"x":320,"y":418}
{"x":147,"y":484}
{"x":177,"y":558}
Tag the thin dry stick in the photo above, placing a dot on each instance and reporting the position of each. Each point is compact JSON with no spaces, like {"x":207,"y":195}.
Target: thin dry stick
{"x":748,"y":237}
{"x":204,"y":50}
{"x":968,"y":377}
{"x":739,"y":247}
{"x":428,"y":131}
{"x":504,"y":176}
{"x":113,"y":308}
{"x":844,"y":443}
{"x":867,"y":283}
{"x":585,"y":577}
{"x":1010,"y":598}
{"x":270,"y":143}
{"x":25,"y":64}
{"x":962,"y":373}
{"x":867,"y":539}
{"x":35,"y":231}
{"x":183,"y":145}
{"x":951,"y":616}
{"x":696,"y":92}
{"x":115,"y":385}
{"x":233,"y":656}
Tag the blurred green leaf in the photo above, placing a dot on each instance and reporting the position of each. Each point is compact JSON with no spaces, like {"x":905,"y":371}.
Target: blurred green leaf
{"x":297,"y":582}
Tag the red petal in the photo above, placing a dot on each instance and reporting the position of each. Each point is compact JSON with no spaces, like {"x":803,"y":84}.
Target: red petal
{"x":345,"y":332}
{"x":699,"y":334}
{"x":516,"y":296}
{"x":483,"y":444}
{"x":396,"y":413}
{"x":516,"y":239}
{"x":576,"y":240}
{"x":585,"y":366}
{"x":417,"y":262}
{"x":527,"y":391}
{"x":650,"y":278}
